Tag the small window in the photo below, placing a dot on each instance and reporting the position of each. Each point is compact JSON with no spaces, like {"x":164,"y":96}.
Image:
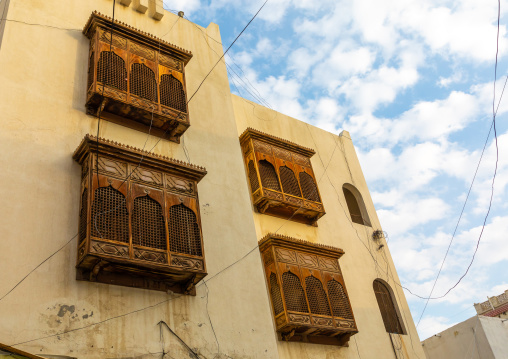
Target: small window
{"x":355,"y":204}
{"x":387,"y":308}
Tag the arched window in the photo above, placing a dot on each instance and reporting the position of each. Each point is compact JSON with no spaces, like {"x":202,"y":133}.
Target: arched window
{"x":278,"y":307}
{"x":355,"y":204}
{"x":338,"y":300}
{"x":289,"y":182}
{"x":309,"y":187}
{"x":142,"y":82}
{"x":293,"y":293}
{"x":387,"y":308}
{"x":111,"y":70}
{"x":268,"y":175}
{"x":184,"y":235}
{"x":83,"y":216}
{"x":110,"y":219}
{"x":172,"y":93}
{"x":318,"y":300}
{"x":253,"y":177}
{"x":148,"y":223}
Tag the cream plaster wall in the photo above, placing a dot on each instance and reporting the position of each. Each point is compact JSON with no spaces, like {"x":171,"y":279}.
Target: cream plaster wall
{"x":478,"y":337}
{"x":335,"y":163}
{"x":43,"y":73}
{"x":43,"y":78}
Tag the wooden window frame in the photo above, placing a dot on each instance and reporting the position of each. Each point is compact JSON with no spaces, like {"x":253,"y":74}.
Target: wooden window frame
{"x":388,"y":308}
{"x":362,"y":217}
{"x":122,"y":106}
{"x":135,"y":174}
{"x":282,"y":255}
{"x":258,"y":146}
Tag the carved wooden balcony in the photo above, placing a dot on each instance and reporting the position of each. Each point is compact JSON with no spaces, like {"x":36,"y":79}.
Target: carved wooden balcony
{"x":281,"y":178}
{"x":136,"y":79}
{"x":139,"y":220}
{"x":307,"y":291}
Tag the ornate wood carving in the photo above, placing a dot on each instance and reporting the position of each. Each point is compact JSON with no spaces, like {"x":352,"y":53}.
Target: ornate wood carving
{"x":127,"y":218}
{"x":307,"y":277}
{"x":288,"y":186}
{"x":187,"y":262}
{"x":114,"y":54}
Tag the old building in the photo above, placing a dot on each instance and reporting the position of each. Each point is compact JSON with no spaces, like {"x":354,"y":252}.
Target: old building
{"x":496,"y":306}
{"x":476,"y":338}
{"x":150,"y":213}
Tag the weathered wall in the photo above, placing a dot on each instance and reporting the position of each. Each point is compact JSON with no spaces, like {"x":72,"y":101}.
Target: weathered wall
{"x":460,"y":341}
{"x":43,"y":72}
{"x":335,"y":164}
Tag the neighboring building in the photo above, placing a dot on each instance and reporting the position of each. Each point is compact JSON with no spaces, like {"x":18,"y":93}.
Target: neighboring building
{"x":496,"y":306}
{"x":152,"y":256}
{"x":478,"y":337}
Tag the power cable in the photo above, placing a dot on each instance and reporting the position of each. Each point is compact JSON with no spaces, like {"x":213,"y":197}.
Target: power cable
{"x":41,"y":263}
{"x":240,"y":34}
{"x":494,"y":113}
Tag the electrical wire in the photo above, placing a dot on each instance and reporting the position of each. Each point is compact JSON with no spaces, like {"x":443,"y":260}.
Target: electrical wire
{"x":494,"y":113}
{"x":240,"y":34}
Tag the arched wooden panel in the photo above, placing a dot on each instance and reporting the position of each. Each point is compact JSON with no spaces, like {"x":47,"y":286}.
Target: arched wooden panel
{"x":317,"y":297}
{"x":147,"y":222}
{"x":110,"y":219}
{"x":253,"y":177}
{"x":172,"y":93}
{"x":339,"y":300}
{"x":142,"y":82}
{"x":387,"y":308}
{"x":289,"y":182}
{"x":111,"y":70}
{"x":309,"y":187}
{"x":91,"y":70}
{"x":294,"y":294}
{"x":184,"y":234}
{"x":268,"y":175}
{"x":278,"y":306}
{"x":83,"y":216}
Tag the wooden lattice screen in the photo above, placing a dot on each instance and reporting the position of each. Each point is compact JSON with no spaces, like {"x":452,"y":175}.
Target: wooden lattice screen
{"x":139,"y":224}
{"x":313,"y":305}
{"x":135,"y":79}
{"x":281,"y":177}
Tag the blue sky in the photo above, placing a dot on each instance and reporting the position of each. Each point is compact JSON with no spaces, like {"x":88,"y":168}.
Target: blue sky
{"x":412,"y":81}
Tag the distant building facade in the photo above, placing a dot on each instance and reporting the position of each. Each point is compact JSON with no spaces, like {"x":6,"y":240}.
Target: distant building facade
{"x":496,"y":306}
{"x":267,"y":246}
{"x":479,"y":337}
